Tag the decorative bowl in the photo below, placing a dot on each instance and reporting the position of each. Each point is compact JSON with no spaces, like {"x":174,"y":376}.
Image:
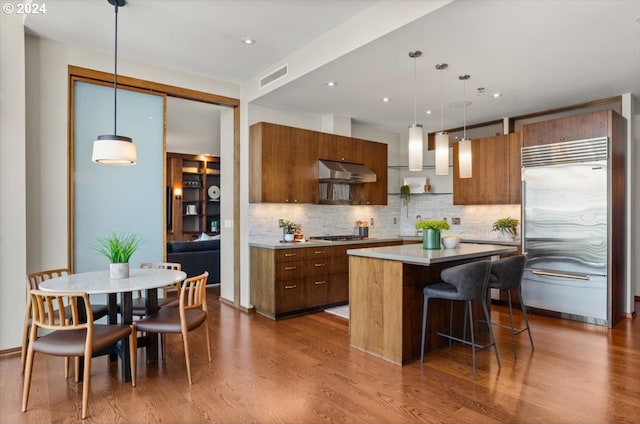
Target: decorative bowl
{"x":450,"y":242}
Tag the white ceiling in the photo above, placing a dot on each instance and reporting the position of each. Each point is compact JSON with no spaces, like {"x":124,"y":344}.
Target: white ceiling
{"x":540,"y":54}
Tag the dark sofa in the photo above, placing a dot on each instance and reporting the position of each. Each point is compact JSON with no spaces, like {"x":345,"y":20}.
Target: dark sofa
{"x":197,"y":257}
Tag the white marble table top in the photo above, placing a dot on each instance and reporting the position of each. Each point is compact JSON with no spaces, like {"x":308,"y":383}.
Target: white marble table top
{"x":98,"y":282}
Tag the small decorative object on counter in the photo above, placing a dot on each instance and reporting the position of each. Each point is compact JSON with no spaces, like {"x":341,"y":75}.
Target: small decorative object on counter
{"x":297,"y":233}
{"x":363,"y":229}
{"x":508,"y":228}
{"x":288,"y":230}
{"x":431,"y":232}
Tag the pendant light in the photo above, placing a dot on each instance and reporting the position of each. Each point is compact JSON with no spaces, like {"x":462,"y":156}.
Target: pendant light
{"x":416,"y":142}
{"x":114,"y":149}
{"x":464,"y":145}
{"x":442,"y":138}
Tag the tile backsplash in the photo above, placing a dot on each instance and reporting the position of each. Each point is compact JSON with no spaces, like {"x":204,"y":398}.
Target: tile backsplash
{"x":388,"y":221}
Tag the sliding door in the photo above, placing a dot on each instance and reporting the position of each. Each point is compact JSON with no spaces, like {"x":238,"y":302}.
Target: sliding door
{"x":125,"y":199}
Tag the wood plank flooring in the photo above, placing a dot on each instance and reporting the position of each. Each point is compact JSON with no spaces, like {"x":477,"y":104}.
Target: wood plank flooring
{"x":302,"y":370}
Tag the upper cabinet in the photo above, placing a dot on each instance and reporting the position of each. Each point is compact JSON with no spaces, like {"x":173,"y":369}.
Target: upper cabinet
{"x":284,"y":164}
{"x":579,"y":127}
{"x":495,"y":170}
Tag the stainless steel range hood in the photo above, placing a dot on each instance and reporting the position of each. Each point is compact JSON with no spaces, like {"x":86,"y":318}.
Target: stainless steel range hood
{"x":330,"y":171}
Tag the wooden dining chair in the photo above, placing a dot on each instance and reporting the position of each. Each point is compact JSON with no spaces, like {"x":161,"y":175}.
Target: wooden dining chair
{"x":169,"y":293}
{"x":67,"y":336}
{"x":190,"y":314}
{"x":33,"y":283}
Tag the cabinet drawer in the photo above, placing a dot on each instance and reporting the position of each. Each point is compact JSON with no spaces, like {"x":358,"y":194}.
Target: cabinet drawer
{"x":319,"y":252}
{"x":284,"y":255}
{"x":318,"y":266}
{"x":316,"y":291}
{"x":290,"y":296}
{"x":287,"y":271}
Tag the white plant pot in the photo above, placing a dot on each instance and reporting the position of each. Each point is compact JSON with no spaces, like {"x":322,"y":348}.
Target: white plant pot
{"x":117,"y":271}
{"x":288,"y":236}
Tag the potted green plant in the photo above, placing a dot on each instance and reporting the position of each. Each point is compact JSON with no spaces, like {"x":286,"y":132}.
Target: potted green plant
{"x":288,"y":230}
{"x":118,"y":248}
{"x":508,"y":227}
{"x":431,"y":232}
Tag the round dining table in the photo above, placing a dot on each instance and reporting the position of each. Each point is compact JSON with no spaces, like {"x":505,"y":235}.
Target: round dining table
{"x":99,"y":282}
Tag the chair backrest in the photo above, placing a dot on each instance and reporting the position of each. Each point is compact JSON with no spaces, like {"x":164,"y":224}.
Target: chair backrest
{"x":508,"y":272}
{"x":470,"y":279}
{"x":34,"y":279}
{"x":193,"y":293}
{"x":48,"y":310}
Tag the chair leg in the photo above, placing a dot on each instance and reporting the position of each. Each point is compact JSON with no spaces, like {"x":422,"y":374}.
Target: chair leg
{"x":86,"y":385}
{"x":467,"y":307}
{"x":133,"y":355}
{"x":206,"y":327}
{"x":27,"y":378}
{"x":185,"y":341}
{"x":524,"y":317}
{"x":424,"y":326}
{"x":492,"y":339}
{"x":513,"y":332}
{"x":25,"y":343}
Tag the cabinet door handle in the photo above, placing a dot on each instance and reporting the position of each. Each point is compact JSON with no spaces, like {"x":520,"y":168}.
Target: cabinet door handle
{"x":317,"y":283}
{"x":291,"y":287}
{"x":318,"y":252}
{"x":288,"y":255}
{"x":319,"y":265}
{"x":290,"y":268}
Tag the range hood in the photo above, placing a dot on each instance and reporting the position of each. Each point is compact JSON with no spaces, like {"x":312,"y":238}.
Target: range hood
{"x":330,"y":171}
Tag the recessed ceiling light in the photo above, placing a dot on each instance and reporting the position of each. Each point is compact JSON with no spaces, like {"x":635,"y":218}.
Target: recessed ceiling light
{"x":386,"y":99}
{"x":496,"y":95}
{"x":331,"y":83}
{"x":429,"y":112}
{"x":248,"y":41}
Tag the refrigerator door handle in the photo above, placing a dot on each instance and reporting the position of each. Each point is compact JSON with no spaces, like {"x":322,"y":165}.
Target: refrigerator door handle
{"x":560,"y":274}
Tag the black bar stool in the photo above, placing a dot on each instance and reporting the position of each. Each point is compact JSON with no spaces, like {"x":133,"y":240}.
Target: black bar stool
{"x":466,"y":282}
{"x":506,"y":274}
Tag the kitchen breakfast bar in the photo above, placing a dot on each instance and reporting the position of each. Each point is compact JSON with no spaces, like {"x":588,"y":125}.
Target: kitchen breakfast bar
{"x":386,"y":296}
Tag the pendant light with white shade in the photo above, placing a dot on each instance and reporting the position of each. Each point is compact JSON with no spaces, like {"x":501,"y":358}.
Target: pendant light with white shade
{"x":464,"y":145}
{"x":442,"y":138}
{"x":416,"y":141}
{"x":114,"y":149}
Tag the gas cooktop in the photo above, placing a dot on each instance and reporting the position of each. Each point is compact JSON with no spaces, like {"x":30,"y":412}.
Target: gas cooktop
{"x":338,"y":238}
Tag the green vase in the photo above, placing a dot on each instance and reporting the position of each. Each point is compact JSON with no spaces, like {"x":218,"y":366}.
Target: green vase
{"x":430,"y":239}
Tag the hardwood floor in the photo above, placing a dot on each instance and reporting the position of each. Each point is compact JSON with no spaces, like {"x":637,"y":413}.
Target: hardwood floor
{"x":302,"y":370}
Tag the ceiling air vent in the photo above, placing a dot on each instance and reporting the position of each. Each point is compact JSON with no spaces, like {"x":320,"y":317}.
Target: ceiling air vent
{"x":275,"y":75}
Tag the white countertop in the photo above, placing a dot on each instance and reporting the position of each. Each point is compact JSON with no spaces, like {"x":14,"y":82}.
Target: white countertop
{"x":277,"y":244}
{"x":415,"y":254}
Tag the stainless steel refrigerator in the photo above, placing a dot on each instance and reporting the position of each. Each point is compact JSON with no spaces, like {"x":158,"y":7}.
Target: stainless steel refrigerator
{"x":565,"y":222}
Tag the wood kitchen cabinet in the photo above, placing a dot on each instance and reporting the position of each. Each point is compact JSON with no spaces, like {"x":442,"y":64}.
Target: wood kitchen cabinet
{"x":287,"y":282}
{"x":578,"y":127}
{"x":495,"y":172}
{"x":340,"y":148}
{"x":284,"y":165}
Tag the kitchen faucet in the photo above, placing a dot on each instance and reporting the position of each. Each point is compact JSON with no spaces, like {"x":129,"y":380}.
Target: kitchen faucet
{"x":418,"y":218}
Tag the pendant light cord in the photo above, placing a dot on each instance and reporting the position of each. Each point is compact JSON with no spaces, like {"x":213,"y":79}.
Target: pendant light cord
{"x":442,"y":100}
{"x":415,"y":115}
{"x":464,"y":110}
{"x":115,"y":78}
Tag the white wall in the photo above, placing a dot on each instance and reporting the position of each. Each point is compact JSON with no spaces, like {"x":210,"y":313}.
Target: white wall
{"x":13,"y":228}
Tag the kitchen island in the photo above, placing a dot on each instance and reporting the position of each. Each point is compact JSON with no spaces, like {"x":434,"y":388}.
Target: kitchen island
{"x":386,"y":298}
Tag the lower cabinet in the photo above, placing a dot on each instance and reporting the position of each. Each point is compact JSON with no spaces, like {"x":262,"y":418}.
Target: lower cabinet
{"x":287,"y":282}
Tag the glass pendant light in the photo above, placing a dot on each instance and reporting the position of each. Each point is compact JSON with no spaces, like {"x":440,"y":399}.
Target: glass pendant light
{"x":114,"y":149}
{"x":464,"y":145}
{"x":442,"y":138}
{"x":416,"y":141}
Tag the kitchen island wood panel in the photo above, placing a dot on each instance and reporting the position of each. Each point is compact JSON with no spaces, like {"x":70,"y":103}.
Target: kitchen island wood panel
{"x":386,"y":298}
